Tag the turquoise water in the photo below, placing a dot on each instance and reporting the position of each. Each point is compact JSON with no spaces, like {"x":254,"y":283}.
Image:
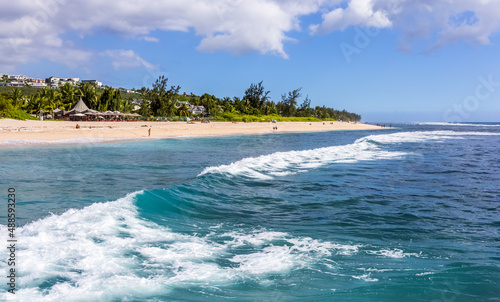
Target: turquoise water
{"x":403,"y":214}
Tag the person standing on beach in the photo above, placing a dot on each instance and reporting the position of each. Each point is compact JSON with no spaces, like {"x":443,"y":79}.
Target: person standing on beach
{"x":149,"y":132}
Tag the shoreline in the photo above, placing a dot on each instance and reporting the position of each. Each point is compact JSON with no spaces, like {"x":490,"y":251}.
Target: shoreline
{"x":29,"y":133}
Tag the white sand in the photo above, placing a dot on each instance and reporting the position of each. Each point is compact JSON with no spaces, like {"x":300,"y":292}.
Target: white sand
{"x":52,"y":131}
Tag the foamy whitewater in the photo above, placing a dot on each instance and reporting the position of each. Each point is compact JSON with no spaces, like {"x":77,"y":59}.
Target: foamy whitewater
{"x":403,"y":214}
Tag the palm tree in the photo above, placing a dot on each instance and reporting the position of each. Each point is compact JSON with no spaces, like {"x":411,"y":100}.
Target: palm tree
{"x":242,"y":105}
{"x":68,"y":96}
{"x":37,"y":103}
{"x":88,"y":94}
{"x":53,"y":98}
{"x":183,"y":110}
{"x":126,"y":106}
{"x":17,"y":98}
{"x":269,"y":108}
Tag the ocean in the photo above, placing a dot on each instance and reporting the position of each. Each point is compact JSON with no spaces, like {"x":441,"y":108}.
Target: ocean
{"x":408,"y":213}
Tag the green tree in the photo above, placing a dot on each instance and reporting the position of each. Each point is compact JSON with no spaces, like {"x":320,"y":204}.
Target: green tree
{"x":305,"y":108}
{"x":227,"y":105}
{"x":17,"y":98}
{"x":68,"y":96}
{"x":5,"y":105}
{"x":290,"y":102}
{"x":183,"y":110}
{"x":256,"y":96}
{"x":212,"y":104}
{"x":116,"y":101}
{"x":105,"y":99}
{"x":269,"y":108}
{"x":242,"y":105}
{"x":37,"y":104}
{"x":88,"y":94}
{"x":5,"y":78}
{"x":126,"y":106}
{"x":145,"y":109}
{"x":52,"y":98}
{"x":162,"y":100}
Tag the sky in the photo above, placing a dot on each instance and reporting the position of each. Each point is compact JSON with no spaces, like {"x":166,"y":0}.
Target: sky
{"x":391,"y":60}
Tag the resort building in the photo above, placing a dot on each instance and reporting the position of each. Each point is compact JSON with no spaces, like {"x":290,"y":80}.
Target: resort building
{"x":20,"y":78}
{"x":82,"y":113}
{"x":95,"y":82}
{"x":16,"y":84}
{"x":194,"y":109}
{"x":39,"y":85}
{"x":61,"y":81}
{"x":197,"y":110}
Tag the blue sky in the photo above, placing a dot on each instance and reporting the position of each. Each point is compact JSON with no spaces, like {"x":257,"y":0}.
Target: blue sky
{"x":405,"y":61}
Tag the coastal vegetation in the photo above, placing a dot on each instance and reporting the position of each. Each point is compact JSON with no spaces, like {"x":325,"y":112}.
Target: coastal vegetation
{"x":163,"y":101}
{"x":35,"y":101}
{"x":255,"y":105}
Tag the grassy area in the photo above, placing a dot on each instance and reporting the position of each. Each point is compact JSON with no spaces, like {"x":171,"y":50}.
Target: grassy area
{"x":17,"y":115}
{"x":230,"y":117}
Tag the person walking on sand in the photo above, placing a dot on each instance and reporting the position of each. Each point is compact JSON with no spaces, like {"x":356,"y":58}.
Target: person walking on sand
{"x":149,"y":132}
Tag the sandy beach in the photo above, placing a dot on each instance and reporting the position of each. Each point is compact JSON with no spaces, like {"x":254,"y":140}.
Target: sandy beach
{"x":53,"y":131}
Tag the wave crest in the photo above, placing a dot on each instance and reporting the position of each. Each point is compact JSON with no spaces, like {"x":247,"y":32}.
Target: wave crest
{"x":368,"y":148}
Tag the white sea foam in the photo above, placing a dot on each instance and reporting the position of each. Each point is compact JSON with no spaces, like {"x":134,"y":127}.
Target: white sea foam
{"x":395,"y":253}
{"x":106,"y":251}
{"x":366,"y":277}
{"x":425,"y":274}
{"x":422,"y":136}
{"x":364,"y":149}
{"x":454,"y":124}
{"x":291,"y":162}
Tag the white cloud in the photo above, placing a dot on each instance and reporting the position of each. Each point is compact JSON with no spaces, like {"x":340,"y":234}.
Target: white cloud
{"x":35,"y":30}
{"x":126,"y":59}
{"x":235,"y":26}
{"x":359,"y":13}
{"x":433,"y":22}
{"x":150,"y":39}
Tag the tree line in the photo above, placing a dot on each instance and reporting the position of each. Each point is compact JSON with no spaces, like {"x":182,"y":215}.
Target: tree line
{"x":65,"y":98}
{"x":161,"y":100}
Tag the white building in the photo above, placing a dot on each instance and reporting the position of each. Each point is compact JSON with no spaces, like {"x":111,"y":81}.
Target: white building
{"x":61,"y":81}
{"x":18,"y":78}
{"x":53,"y":80}
{"x":96,"y":82}
{"x":40,"y":85}
{"x":16,"y":84}
{"x":197,"y":109}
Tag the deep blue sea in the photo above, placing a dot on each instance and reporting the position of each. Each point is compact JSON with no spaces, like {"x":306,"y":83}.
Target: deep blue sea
{"x":410,"y":213}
